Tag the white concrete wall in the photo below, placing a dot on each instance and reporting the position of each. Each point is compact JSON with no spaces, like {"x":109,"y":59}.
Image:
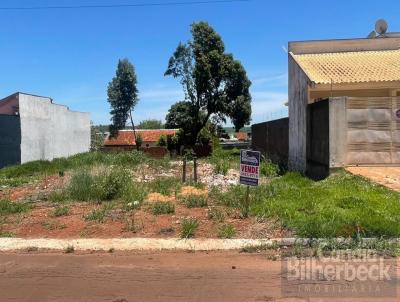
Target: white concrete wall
{"x":51,"y":131}
{"x":298,"y":101}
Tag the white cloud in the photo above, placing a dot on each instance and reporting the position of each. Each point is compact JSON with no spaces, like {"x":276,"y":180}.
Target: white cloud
{"x":268,"y":105}
{"x":162,"y":94}
{"x":280,"y":79}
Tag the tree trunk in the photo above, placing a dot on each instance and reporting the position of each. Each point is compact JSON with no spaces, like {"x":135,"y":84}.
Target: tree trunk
{"x":134,"y":130}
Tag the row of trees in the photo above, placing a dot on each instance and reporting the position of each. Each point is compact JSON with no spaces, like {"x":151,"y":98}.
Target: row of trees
{"x":215,"y":85}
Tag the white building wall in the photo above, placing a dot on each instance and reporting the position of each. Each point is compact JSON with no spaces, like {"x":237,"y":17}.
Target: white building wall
{"x":51,"y":131}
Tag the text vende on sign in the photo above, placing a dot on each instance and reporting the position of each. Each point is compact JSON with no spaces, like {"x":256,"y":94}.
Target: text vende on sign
{"x":250,"y":167}
{"x":249,"y":171}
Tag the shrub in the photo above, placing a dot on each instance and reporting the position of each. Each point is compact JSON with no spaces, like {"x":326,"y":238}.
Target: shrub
{"x":216,"y":214}
{"x":162,"y":141}
{"x":139,"y":140}
{"x":58,"y":196}
{"x":7,"y":207}
{"x":70,"y":249}
{"x":226,"y":231}
{"x":110,"y":185}
{"x":195,"y":201}
{"x":134,"y":192}
{"x":81,"y":186}
{"x":165,"y":185}
{"x":269,"y":169}
{"x":162,"y":208}
{"x":98,"y":215}
{"x":221,"y":160}
{"x":5,"y":234}
{"x":61,"y":211}
{"x":188,"y":227}
{"x":105,"y":186}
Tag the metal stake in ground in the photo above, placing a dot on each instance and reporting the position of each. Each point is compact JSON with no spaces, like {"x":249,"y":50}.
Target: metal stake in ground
{"x":184,"y":170}
{"x":195,"y":168}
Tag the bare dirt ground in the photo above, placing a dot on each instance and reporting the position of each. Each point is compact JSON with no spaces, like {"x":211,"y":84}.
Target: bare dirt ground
{"x":40,"y":222}
{"x":386,"y":176}
{"x":128,"y":277}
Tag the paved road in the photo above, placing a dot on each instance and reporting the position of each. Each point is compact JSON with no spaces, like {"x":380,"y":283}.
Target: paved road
{"x":126,"y":277}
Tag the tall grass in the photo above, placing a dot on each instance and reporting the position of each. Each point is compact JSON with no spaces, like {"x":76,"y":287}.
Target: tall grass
{"x":17,"y":175}
{"x":223,"y":160}
{"x":7,"y":207}
{"x":106,"y":185}
{"x":340,"y":206}
{"x":165,"y":185}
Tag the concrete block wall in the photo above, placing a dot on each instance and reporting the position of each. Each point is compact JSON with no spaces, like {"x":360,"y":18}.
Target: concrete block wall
{"x":272,"y":139}
{"x":51,"y":131}
{"x":10,"y":140}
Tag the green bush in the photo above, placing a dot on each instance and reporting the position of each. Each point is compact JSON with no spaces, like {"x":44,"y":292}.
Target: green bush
{"x":58,"y":196}
{"x":188,"y":227}
{"x":195,"y":201}
{"x":269,"y":169}
{"x":107,"y":185}
{"x":61,"y":211}
{"x":226,"y":231}
{"x":8,"y":207}
{"x":5,"y":234}
{"x":216,"y":214}
{"x":111,"y":184}
{"x":134,"y":192}
{"x":81,"y":186}
{"x":162,"y":141}
{"x":223,"y":160}
{"x":98,"y":215}
{"x":165,"y":185}
{"x":162,"y":208}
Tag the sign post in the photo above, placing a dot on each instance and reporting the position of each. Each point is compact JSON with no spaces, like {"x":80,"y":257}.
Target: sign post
{"x":249,"y":172}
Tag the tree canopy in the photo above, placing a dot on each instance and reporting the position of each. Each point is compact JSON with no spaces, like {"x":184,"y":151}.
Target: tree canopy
{"x":151,"y":124}
{"x":123,"y":96}
{"x":214,"y":83}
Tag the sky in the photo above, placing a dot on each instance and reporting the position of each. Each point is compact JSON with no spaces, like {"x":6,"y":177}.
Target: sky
{"x":71,"y":55}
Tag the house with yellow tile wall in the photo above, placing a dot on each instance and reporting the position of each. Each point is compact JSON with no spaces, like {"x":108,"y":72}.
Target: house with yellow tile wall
{"x":344,"y":103}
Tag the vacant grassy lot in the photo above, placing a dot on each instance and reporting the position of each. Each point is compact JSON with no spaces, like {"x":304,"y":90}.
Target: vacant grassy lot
{"x":127,"y":194}
{"x":340,"y":206}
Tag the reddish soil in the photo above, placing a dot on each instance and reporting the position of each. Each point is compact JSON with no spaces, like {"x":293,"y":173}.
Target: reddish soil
{"x":40,"y":223}
{"x":32,"y":190}
{"x":168,"y":276}
{"x":386,"y":176}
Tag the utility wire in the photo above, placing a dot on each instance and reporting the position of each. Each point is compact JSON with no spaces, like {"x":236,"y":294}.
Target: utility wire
{"x":126,"y":5}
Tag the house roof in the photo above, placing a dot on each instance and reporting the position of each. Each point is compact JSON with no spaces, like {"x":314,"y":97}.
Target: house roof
{"x":351,"y":67}
{"x":127,"y":138}
{"x":242,"y":136}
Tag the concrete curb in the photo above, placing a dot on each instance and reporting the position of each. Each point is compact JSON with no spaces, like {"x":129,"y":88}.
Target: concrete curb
{"x":138,"y":244}
{"x":154,"y":244}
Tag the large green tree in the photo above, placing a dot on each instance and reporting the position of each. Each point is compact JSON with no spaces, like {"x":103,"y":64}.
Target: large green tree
{"x":215,"y":84}
{"x":123,"y":96}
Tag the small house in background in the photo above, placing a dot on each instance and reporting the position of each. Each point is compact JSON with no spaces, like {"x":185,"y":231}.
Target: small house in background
{"x":34,"y":128}
{"x":125,"y":139}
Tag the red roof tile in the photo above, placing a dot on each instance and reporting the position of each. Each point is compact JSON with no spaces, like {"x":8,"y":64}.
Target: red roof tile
{"x":242,"y":136}
{"x":126,"y":137}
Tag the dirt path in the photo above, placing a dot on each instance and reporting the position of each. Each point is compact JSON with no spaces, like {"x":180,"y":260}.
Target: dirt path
{"x":386,"y":176}
{"x":127,"y":277}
